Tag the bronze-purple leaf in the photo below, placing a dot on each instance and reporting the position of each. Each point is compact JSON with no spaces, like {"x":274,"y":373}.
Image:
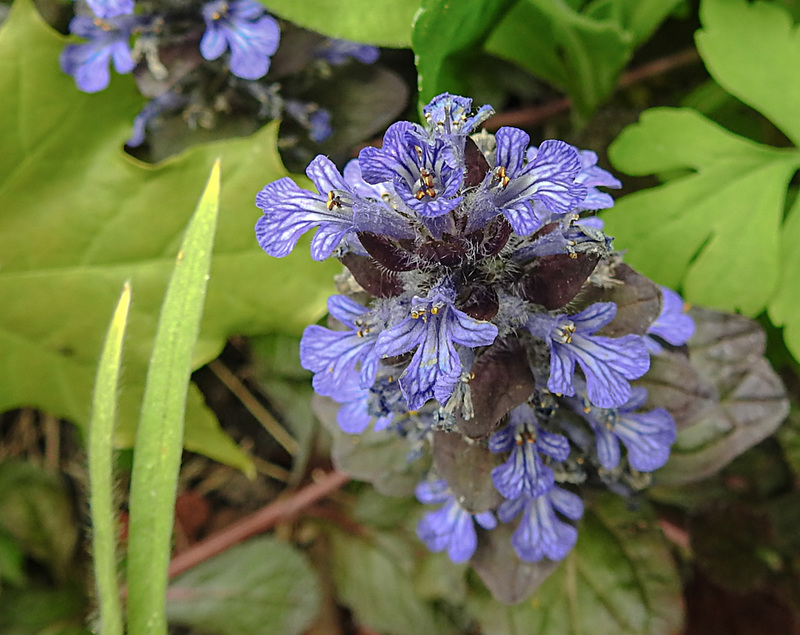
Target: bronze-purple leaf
{"x":374,"y":279}
{"x":553,"y":281}
{"x":728,"y":352}
{"x":392,"y":256}
{"x":508,"y":578}
{"x":638,"y":301}
{"x":466,"y":465}
{"x":502,"y":381}
{"x":477,"y":165}
{"x":481,"y":302}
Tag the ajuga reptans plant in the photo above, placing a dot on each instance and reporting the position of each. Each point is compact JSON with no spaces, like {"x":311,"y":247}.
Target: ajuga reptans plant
{"x":198,"y":58}
{"x":480,"y":308}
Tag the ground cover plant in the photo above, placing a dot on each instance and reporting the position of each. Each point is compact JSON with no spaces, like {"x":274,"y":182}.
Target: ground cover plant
{"x":399,"y":316}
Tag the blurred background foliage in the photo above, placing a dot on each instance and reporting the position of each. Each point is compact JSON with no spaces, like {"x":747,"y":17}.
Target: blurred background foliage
{"x":693,"y":104}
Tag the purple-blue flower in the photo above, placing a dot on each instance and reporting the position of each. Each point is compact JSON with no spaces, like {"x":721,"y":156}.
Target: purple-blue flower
{"x":165,"y":102}
{"x":106,"y":9}
{"x":337,"y":52}
{"x":450,"y":528}
{"x":449,"y":117}
{"x":672,"y":325}
{"x":541,"y":533}
{"x":433,"y":328}
{"x":425,"y":174}
{"x":290,"y":211}
{"x":242,"y":27}
{"x":607,"y":363}
{"x":591,"y":176}
{"x":516,"y":188}
{"x":334,"y":355}
{"x":648,"y":436}
{"x":109,"y":40}
{"x":313,"y":118}
{"x":524,"y":473}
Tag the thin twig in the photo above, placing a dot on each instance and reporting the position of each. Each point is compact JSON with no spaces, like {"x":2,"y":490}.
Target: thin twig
{"x":533,"y":115}
{"x":257,"y":522}
{"x":249,"y":401}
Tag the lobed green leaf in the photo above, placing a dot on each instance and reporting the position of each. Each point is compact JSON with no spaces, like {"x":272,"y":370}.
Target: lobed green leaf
{"x":718,"y":227}
{"x":720,"y":223}
{"x":78,"y":217}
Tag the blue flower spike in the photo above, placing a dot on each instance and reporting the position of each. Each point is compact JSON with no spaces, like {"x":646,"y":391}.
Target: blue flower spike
{"x":451,"y":239}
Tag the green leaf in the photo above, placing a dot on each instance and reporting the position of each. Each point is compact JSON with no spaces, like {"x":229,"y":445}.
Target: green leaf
{"x":381,"y":458}
{"x":374,"y":579}
{"x":620,"y":579}
{"x":640,"y":17}
{"x":36,"y":509}
{"x":713,"y":229}
{"x":446,"y":37}
{"x":262,"y":585}
{"x":747,"y":48}
{"x":784,"y":309}
{"x":101,"y":477}
{"x":12,"y":559}
{"x":159,"y":438}
{"x":43,"y":611}
{"x":574,"y":52}
{"x":78,"y":217}
{"x":379,"y":22}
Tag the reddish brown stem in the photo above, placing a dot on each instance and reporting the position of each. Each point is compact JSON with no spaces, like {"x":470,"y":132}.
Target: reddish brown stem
{"x":533,"y":115}
{"x":257,"y":522}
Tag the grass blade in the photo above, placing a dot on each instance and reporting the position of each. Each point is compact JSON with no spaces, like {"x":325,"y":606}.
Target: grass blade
{"x":101,"y":479}
{"x":159,"y":439}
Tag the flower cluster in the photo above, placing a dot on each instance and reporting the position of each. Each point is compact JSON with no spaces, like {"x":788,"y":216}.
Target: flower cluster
{"x":467,"y":250}
{"x":237,"y":34}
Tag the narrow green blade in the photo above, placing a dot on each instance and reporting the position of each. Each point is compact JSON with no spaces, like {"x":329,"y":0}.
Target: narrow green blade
{"x":157,"y":452}
{"x":101,"y":431}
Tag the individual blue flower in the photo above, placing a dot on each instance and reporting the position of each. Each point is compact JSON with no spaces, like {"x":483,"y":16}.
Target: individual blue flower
{"x":313,"y":118}
{"x":433,"y":328}
{"x":109,"y":40}
{"x":450,"y":528}
{"x":524,"y":473}
{"x":648,"y":436}
{"x":593,"y":176}
{"x":425,"y":175}
{"x":358,"y":409}
{"x":290,"y":211}
{"x":541,"y":533}
{"x":335,"y":355}
{"x":337,"y":52}
{"x":105,"y":9}
{"x":607,"y":363}
{"x":165,"y":102}
{"x":449,"y":119}
{"x":522,"y":191}
{"x":672,"y":325}
{"x":242,"y":27}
